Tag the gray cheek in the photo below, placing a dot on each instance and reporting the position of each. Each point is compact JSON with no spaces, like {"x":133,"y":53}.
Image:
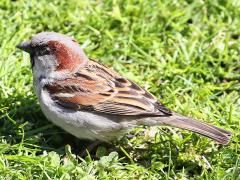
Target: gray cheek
{"x":47,"y":62}
{"x":44,"y":66}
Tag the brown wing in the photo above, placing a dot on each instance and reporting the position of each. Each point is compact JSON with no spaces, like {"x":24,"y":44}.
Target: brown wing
{"x":97,"y":88}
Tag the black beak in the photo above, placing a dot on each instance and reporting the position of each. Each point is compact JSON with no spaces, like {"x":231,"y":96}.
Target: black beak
{"x":25,"y":46}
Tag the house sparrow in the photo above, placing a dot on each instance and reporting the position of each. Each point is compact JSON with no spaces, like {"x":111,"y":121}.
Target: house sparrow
{"x":91,"y":101}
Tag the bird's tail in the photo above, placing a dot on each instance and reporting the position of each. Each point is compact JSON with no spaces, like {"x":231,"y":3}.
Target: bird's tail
{"x":220,"y":135}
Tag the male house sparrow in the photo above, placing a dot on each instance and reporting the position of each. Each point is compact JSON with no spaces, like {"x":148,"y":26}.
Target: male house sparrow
{"x":91,"y":101}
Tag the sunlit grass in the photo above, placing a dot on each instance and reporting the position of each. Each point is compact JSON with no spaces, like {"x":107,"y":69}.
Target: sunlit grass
{"x":184,"y":52}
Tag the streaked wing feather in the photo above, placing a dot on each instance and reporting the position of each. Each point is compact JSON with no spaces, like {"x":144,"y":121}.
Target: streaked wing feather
{"x":100,"y":89}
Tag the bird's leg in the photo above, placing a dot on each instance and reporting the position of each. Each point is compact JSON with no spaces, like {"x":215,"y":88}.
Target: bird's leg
{"x":90,"y":147}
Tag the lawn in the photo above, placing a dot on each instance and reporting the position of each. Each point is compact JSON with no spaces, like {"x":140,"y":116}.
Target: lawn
{"x":186,"y":53}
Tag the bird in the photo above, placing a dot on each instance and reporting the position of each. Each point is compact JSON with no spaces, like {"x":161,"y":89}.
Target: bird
{"x":90,"y":100}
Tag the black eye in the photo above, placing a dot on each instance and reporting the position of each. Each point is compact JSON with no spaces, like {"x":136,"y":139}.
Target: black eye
{"x":45,"y":51}
{"x":42,"y":50}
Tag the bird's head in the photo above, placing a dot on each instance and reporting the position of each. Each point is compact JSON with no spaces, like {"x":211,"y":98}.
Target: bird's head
{"x":54,"y":52}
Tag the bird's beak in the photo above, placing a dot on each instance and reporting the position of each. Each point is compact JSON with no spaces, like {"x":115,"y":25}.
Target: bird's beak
{"x":25,"y":46}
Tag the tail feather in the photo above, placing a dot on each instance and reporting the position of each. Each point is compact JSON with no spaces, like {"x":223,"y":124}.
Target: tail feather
{"x":220,"y":135}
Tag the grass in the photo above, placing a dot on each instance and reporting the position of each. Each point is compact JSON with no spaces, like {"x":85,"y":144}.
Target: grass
{"x":185,"y":52}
